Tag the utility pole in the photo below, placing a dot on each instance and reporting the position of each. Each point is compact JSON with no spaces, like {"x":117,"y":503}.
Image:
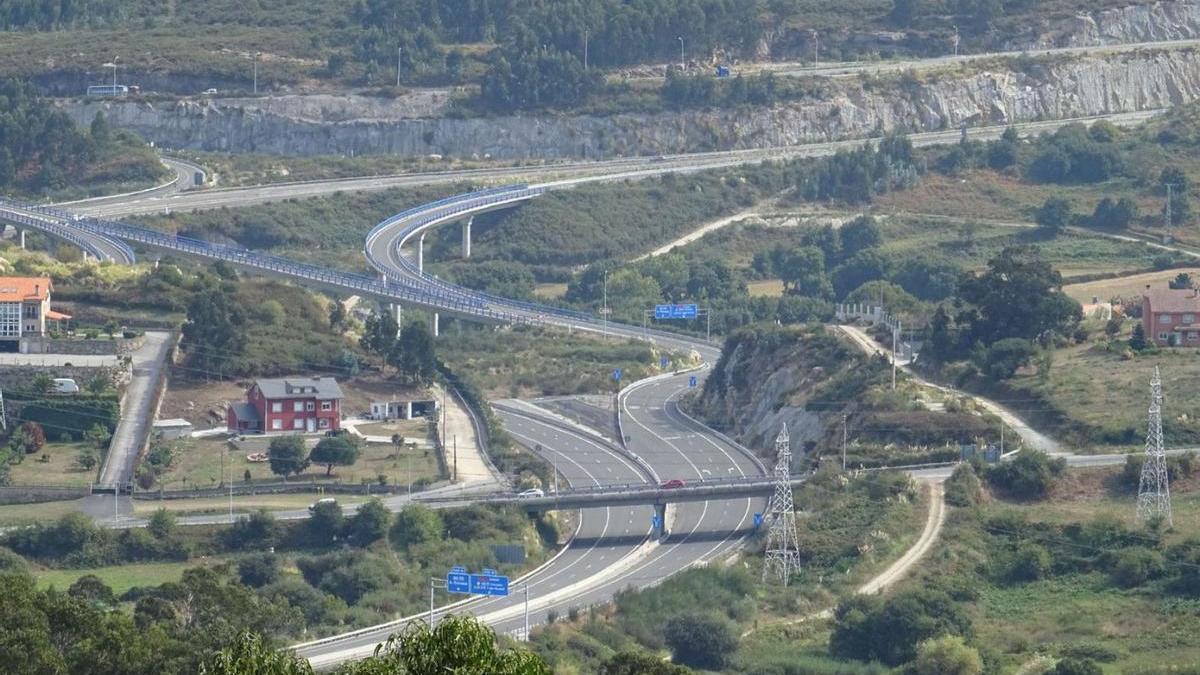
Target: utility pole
{"x":455,"y":458}
{"x":956,"y":41}
{"x":816,"y":50}
{"x":782,"y":557}
{"x":1154,"y":490}
{"x":585,"y":49}
{"x":682,"y":60}
{"x":399,"y":50}
{"x":230,"y":486}
{"x":895,"y":355}
{"x":256,"y":73}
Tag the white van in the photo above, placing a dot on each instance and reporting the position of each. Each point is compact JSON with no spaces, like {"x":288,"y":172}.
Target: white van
{"x":65,"y":385}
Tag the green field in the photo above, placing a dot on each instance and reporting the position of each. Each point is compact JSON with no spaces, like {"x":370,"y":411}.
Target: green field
{"x":61,"y":467}
{"x":121,"y":578}
{"x":199,"y":463}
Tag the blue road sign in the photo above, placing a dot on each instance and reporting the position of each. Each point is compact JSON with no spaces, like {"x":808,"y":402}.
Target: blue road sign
{"x":616,"y":374}
{"x":490,"y":572}
{"x":689,"y":311}
{"x":692,"y":381}
{"x":664,"y":361}
{"x":656,"y":522}
{"x":458,"y":581}
{"x":489,"y":584}
{"x":758,"y":519}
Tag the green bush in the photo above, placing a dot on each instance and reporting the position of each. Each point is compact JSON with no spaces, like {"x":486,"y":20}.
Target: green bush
{"x":1029,"y":476}
{"x":963,"y":487}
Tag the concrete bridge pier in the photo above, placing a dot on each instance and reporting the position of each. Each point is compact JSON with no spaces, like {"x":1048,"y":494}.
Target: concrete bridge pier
{"x":466,"y":237}
{"x":21,"y":236}
{"x":435,"y":320}
{"x":660,"y":515}
{"x":421,"y":253}
{"x":398,"y":312}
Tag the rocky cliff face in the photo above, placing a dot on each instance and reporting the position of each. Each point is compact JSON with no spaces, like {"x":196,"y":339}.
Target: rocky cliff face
{"x":764,"y":379}
{"x":1120,"y":25}
{"x":854,"y":109}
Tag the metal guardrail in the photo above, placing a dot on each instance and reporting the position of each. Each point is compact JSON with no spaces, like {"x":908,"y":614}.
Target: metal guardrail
{"x":77,"y":228}
{"x":66,"y":233}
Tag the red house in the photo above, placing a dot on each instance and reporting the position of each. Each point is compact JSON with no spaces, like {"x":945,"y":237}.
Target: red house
{"x":1170,"y":316}
{"x":294,"y":405}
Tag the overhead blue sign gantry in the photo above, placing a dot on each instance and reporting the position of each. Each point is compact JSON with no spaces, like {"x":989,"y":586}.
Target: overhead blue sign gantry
{"x":690,"y":311}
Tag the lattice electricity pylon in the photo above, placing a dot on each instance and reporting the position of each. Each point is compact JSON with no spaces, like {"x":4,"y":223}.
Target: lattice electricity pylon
{"x":782,"y":556}
{"x":1154,"y":490}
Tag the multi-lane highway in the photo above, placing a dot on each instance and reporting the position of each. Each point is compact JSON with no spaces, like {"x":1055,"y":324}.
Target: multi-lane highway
{"x":613,"y":548}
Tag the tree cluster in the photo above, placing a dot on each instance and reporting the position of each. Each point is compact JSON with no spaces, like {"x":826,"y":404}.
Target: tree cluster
{"x":412,"y":354}
{"x":40,"y":147}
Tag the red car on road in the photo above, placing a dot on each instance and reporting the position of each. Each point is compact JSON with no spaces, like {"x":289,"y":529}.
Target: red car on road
{"x":672,"y":484}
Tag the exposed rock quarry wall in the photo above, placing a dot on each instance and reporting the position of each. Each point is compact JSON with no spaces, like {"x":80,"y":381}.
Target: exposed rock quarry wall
{"x":1136,"y":23}
{"x":293,"y":126}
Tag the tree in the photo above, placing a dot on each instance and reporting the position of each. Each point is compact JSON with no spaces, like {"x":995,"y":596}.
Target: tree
{"x":379,"y":333}
{"x":337,"y":316}
{"x":947,"y":655}
{"x":87,"y":459}
{"x":41,"y":383}
{"x":259,"y":530}
{"x":1181,"y":281}
{"x":213,"y":335}
{"x":339,"y":450}
{"x":942,"y":342}
{"x":416,"y":361}
{"x":369,"y":524}
{"x":1053,"y":215}
{"x":1029,"y":476}
{"x":101,"y":132}
{"x":1114,"y":215}
{"x":1019,"y":295}
{"x":287,"y":455}
{"x":802,"y":271}
{"x":92,"y":589}
{"x":963,"y":486}
{"x":416,"y":525}
{"x":701,"y":641}
{"x":258,"y":569}
{"x":162,"y":524}
{"x":250,"y":654}
{"x":97,"y":385}
{"x":859,"y":234}
{"x":325,"y":522}
{"x":457,"y":644}
{"x":858,"y":269}
{"x":871,"y":628}
{"x":31,"y":437}
{"x":98,"y":435}
{"x":1176,"y":178}
{"x":1031,"y":562}
{"x":1137,"y":341}
{"x":1005,"y":357}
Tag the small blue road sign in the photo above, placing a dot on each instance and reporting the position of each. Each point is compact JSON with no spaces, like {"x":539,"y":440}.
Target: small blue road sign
{"x":458,"y":581}
{"x":616,"y":374}
{"x":692,"y":381}
{"x":656,"y":522}
{"x":663,"y":361}
{"x":489,"y":584}
{"x":758,"y":519}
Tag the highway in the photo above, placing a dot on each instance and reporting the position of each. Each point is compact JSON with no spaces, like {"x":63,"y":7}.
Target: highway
{"x":607,"y":554}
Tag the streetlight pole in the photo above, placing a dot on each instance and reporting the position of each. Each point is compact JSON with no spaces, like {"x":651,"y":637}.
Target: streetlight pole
{"x":816,"y":49}
{"x":256,"y":73}
{"x":682,"y":60}
{"x":230,"y":463}
{"x":399,"y":50}
{"x":843,"y":442}
{"x":585,"y":49}
{"x":956,"y":40}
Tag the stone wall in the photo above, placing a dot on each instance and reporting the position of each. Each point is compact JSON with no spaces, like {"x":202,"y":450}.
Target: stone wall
{"x":852,"y":108}
{"x":47,"y":345}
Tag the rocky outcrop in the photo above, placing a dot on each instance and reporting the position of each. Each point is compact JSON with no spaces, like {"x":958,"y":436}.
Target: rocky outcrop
{"x":1027,"y":90}
{"x":765,"y":378}
{"x":1155,"y":22}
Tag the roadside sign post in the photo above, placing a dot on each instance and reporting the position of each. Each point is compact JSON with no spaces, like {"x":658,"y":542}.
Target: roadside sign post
{"x":489,"y":583}
{"x":688,"y":311}
{"x":692,"y":381}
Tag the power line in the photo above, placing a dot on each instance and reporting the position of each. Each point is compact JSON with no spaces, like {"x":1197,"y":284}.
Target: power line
{"x":1154,"y":490}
